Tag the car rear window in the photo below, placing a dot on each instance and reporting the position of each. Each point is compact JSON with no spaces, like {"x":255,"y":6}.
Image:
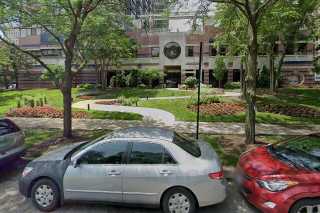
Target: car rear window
{"x":187,"y":144}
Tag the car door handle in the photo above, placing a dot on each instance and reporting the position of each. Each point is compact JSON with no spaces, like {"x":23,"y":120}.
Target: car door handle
{"x":114,"y":173}
{"x":165,"y":172}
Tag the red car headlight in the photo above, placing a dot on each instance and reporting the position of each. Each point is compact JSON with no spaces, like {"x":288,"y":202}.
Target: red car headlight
{"x":276,"y":185}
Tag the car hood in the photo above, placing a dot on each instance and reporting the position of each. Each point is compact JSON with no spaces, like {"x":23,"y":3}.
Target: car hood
{"x":59,"y":154}
{"x":259,"y":163}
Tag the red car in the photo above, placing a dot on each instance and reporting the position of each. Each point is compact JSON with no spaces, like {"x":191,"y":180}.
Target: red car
{"x":283,"y":177}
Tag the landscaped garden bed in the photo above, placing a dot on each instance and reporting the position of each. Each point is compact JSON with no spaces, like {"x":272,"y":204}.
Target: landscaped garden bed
{"x":108,"y":102}
{"x":220,"y":108}
{"x":43,"y":112}
{"x":295,"y":111}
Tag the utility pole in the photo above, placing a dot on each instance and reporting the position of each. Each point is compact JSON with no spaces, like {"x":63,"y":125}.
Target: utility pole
{"x":199,"y":88}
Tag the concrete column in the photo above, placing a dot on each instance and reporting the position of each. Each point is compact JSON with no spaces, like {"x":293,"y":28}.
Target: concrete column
{"x":183,"y":77}
{"x":206,"y":76}
{"x":230,"y":75}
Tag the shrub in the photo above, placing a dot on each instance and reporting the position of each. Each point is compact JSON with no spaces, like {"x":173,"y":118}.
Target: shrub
{"x":133,"y":101}
{"x":142,"y":86}
{"x":191,"y":82}
{"x":18,"y":103}
{"x":119,"y":80}
{"x":45,"y":100}
{"x":86,"y":86}
{"x":204,"y":100}
{"x":149,"y":76}
{"x":121,"y":99}
{"x":264,"y":78}
{"x":132,"y":79}
{"x":232,"y":85}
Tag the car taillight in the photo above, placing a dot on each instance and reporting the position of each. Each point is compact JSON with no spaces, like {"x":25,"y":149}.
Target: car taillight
{"x":216,"y":175}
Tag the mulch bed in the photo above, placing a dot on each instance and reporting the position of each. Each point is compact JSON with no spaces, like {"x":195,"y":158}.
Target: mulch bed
{"x":43,"y":112}
{"x":220,"y":108}
{"x":86,"y":97}
{"x":111,"y":102}
{"x":295,"y":111}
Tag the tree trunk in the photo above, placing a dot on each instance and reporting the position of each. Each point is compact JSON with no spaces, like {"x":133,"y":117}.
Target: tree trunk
{"x":279,"y":68}
{"x":272,"y":73}
{"x":250,"y":81}
{"x":5,"y":79}
{"x":67,"y":98}
{"x":220,"y":86}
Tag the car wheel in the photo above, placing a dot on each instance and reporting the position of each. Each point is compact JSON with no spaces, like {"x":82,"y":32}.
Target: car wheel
{"x":45,"y":195}
{"x":178,"y":200}
{"x":306,"y":206}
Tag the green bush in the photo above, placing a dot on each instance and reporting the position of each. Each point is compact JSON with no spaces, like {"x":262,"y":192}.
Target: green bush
{"x":204,"y":100}
{"x":133,"y":101}
{"x":86,"y":86}
{"x":149,"y":76}
{"x":132,"y":79}
{"x":191,"y":82}
{"x":264,"y":78}
{"x":119,"y":80}
{"x":232,"y":85}
{"x":142,"y":86}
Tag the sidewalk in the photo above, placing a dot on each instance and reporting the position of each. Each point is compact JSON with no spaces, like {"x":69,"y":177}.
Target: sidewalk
{"x":184,"y":127}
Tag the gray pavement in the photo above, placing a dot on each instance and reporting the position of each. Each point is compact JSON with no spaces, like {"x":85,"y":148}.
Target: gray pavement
{"x":12,"y":202}
{"x":180,"y":126}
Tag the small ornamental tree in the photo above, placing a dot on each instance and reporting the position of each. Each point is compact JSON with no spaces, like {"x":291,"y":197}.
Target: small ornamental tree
{"x":219,"y":70}
{"x":55,"y":75}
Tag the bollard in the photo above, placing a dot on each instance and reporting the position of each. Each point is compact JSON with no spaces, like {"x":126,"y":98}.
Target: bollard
{"x":88,"y":107}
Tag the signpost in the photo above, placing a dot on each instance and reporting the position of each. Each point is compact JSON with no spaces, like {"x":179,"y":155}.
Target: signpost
{"x":199,"y":88}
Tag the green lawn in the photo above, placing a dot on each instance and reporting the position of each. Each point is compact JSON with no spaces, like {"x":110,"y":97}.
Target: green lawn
{"x":9,"y":99}
{"x":295,"y":96}
{"x":179,"y":108}
{"x":142,"y":93}
{"x":36,"y":136}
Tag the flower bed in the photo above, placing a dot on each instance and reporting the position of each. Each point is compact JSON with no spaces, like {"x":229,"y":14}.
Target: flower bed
{"x":219,"y":108}
{"x":110,"y":102}
{"x":295,"y":111}
{"x":42,"y":112}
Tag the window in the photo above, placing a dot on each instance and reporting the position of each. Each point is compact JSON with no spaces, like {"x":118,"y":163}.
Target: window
{"x":155,"y":51}
{"x":7,"y":127}
{"x":213,"y":51}
{"x":167,"y":158}
{"x":190,"y":52}
{"x":187,"y":145}
{"x":105,"y":153}
{"x":316,"y":77}
{"x":150,"y":153}
{"x":33,"y":31}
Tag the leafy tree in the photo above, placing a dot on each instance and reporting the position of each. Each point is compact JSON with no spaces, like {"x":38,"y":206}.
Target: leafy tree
{"x":150,"y":75}
{"x":11,"y":62}
{"x":252,"y":11}
{"x":65,"y":22}
{"x":219,"y":70}
{"x":109,"y":44}
{"x":55,"y":75}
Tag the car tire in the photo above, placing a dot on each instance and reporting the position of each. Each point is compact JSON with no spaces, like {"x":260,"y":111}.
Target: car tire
{"x":178,"y":199}
{"x":45,"y":195}
{"x":299,"y":206}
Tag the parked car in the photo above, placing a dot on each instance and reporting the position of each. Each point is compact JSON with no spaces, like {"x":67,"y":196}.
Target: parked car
{"x":144,"y":166}
{"x":282,"y":177}
{"x":11,"y":141}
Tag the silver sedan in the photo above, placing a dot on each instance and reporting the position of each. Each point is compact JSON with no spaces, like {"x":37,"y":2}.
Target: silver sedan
{"x":144,"y":166}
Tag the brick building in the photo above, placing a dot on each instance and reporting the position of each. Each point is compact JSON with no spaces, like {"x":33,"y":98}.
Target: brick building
{"x":170,"y":45}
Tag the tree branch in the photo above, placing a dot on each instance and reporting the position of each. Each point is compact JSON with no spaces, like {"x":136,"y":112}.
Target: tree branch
{"x":241,"y":6}
{"x":56,"y":37}
{"x":267,"y":3}
{"x":26,"y":52}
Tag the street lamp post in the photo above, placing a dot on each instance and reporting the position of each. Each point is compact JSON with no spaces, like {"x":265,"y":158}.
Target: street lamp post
{"x":199,"y":88}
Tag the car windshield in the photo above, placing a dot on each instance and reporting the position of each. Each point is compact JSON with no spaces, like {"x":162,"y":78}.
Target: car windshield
{"x":187,"y":144}
{"x":301,"y":152}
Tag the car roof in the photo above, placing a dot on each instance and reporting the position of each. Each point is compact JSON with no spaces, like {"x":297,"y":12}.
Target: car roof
{"x":143,"y":132}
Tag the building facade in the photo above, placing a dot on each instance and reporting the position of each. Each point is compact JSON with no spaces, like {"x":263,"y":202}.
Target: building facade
{"x":171,"y":45}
